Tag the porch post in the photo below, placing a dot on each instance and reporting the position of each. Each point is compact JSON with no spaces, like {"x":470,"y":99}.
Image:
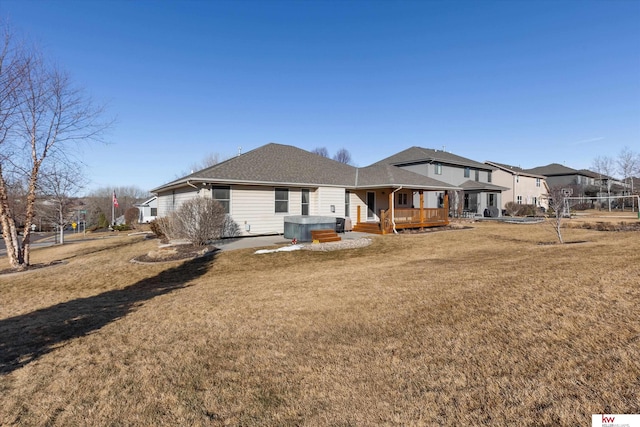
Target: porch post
{"x":358,"y":221}
{"x":446,"y":206}
{"x":391,"y":201}
{"x":421,"y":206}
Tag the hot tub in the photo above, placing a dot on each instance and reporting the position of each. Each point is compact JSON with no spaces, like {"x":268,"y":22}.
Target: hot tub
{"x":299,"y":226}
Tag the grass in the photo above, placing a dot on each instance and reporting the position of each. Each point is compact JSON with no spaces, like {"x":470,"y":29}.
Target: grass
{"x":488,"y":326}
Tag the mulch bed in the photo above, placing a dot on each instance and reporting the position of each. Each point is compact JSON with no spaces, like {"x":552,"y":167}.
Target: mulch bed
{"x":175,"y":253}
{"x":31,"y":267}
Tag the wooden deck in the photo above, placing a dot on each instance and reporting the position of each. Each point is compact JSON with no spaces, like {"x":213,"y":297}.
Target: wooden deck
{"x":404,"y":219}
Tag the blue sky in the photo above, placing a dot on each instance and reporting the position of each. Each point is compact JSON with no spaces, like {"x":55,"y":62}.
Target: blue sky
{"x":526,"y":83}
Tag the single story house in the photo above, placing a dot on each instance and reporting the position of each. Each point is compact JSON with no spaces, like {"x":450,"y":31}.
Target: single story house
{"x":259,"y":188}
{"x":148,"y":210}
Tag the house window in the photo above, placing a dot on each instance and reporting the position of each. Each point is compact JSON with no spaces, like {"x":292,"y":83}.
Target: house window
{"x":519,"y":200}
{"x":282,"y":200}
{"x":438,"y":168}
{"x":477,"y":175}
{"x":347,"y":203}
{"x":222,"y":195}
{"x":489,"y":176}
{"x":305,"y":201}
{"x":537,"y":182}
{"x":154,"y":211}
{"x":402,"y":199}
{"x":467,"y":172}
{"x":535,"y":201}
{"x":491,"y":199}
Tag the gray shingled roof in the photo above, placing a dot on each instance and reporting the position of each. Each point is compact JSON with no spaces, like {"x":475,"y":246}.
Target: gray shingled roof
{"x":421,"y":155}
{"x":383,"y":175}
{"x":553,"y":169}
{"x":471,"y":185}
{"x":513,"y":169}
{"x":277,"y":164}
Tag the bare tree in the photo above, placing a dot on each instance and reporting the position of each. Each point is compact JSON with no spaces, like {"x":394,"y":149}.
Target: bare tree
{"x":41,"y":113}
{"x":131,"y":216}
{"x":99,"y":203}
{"x":207,"y":161}
{"x":58,"y":185}
{"x":321,"y":151}
{"x":556,"y":199}
{"x":628,"y":163}
{"x":343,"y":156}
{"x":604,"y":167}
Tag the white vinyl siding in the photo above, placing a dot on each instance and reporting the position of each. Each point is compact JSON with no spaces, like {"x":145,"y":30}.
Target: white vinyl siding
{"x":253,"y":207}
{"x":328,"y":197}
{"x":172,"y":200}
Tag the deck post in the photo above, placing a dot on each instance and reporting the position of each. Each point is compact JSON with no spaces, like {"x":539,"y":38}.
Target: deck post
{"x":421,"y":206}
{"x":358,"y":221}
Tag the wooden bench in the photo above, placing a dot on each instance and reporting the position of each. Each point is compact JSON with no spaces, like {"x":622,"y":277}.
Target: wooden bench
{"x":324,"y":236}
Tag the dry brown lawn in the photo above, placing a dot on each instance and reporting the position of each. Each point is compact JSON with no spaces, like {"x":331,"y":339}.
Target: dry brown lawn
{"x":485,"y":326}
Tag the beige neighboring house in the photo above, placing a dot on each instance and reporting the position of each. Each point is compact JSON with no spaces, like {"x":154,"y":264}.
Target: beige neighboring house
{"x":524,"y":188}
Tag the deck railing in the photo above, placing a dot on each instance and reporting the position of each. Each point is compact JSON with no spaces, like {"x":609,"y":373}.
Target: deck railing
{"x":413,"y":218}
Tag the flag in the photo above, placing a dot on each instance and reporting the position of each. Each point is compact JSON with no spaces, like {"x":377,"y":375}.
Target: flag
{"x":115,"y":200}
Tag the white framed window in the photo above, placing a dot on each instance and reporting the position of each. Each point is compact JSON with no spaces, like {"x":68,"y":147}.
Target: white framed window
{"x":403,"y":199}
{"x":282,"y":200}
{"x":519,"y":200}
{"x":489,"y":176}
{"x":537,"y":182}
{"x":438,"y":168}
{"x":222,"y":195}
{"x":305,"y":201}
{"x":477,"y":175}
{"x":347,"y":203}
{"x":467,"y":172}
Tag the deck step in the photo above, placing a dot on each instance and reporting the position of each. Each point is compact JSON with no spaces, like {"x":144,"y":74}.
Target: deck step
{"x":324,"y":236}
{"x":368,"y":227}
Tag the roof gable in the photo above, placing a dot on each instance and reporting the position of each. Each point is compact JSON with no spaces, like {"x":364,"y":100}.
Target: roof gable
{"x":415,"y":155}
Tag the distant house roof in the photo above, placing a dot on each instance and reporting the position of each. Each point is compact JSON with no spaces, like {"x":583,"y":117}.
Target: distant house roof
{"x":146,"y":203}
{"x":277,"y":164}
{"x":416,"y":155}
{"x":555,"y":169}
{"x":515,"y":170}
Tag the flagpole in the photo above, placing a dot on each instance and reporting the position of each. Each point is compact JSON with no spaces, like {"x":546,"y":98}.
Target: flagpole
{"x":113,"y":208}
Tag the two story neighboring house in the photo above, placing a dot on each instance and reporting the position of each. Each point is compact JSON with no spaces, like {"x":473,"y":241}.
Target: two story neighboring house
{"x":474,"y":178}
{"x":524,"y":188}
{"x":581,"y":182}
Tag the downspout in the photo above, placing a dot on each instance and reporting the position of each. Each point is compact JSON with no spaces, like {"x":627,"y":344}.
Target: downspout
{"x":191,"y":185}
{"x":393,"y":214}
